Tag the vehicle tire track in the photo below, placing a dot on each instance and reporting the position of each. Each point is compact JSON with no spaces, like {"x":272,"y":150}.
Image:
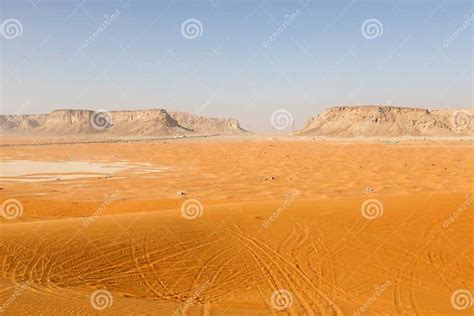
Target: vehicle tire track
{"x":270,"y":254}
{"x":287,"y":263}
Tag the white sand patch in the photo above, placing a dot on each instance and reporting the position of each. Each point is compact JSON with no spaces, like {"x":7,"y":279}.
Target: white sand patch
{"x":39,"y":171}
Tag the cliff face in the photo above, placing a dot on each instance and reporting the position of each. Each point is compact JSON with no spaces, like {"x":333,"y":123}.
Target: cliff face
{"x":207,"y":124}
{"x":156,"y":122}
{"x":389,"y":121}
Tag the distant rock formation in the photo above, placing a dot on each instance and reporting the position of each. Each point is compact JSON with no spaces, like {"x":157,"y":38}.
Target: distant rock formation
{"x":155,"y":122}
{"x":389,"y":121}
{"x":203,"y":124}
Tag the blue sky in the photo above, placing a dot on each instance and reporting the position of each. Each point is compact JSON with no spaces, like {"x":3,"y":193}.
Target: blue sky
{"x":316,"y":56}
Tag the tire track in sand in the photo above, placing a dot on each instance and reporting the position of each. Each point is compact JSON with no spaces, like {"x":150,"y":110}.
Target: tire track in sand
{"x":134,"y":261}
{"x":284,"y":266}
{"x":272,"y":280}
{"x":289,"y":264}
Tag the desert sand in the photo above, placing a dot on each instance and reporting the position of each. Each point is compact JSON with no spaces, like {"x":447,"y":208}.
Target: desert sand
{"x":245,"y":226}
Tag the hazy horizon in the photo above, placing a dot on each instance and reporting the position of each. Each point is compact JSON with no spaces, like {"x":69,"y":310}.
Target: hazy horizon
{"x":236,"y":60}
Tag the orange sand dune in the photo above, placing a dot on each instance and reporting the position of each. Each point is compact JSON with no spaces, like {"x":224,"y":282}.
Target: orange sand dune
{"x":259,"y":227}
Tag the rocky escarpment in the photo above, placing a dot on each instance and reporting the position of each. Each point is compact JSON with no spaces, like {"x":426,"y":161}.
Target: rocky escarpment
{"x":207,"y":124}
{"x":155,"y":122}
{"x":389,"y":121}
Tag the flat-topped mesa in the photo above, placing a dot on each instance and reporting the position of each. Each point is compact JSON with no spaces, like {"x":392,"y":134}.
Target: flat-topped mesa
{"x":387,"y":121}
{"x":208,"y":124}
{"x":153,"y":122}
{"x":70,"y":115}
{"x":382,"y":108}
{"x":137,"y":115}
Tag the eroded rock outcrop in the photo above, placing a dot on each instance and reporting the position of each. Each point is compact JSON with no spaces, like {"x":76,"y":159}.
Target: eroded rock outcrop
{"x":389,"y":121}
{"x":155,"y":122}
{"x":207,"y":124}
